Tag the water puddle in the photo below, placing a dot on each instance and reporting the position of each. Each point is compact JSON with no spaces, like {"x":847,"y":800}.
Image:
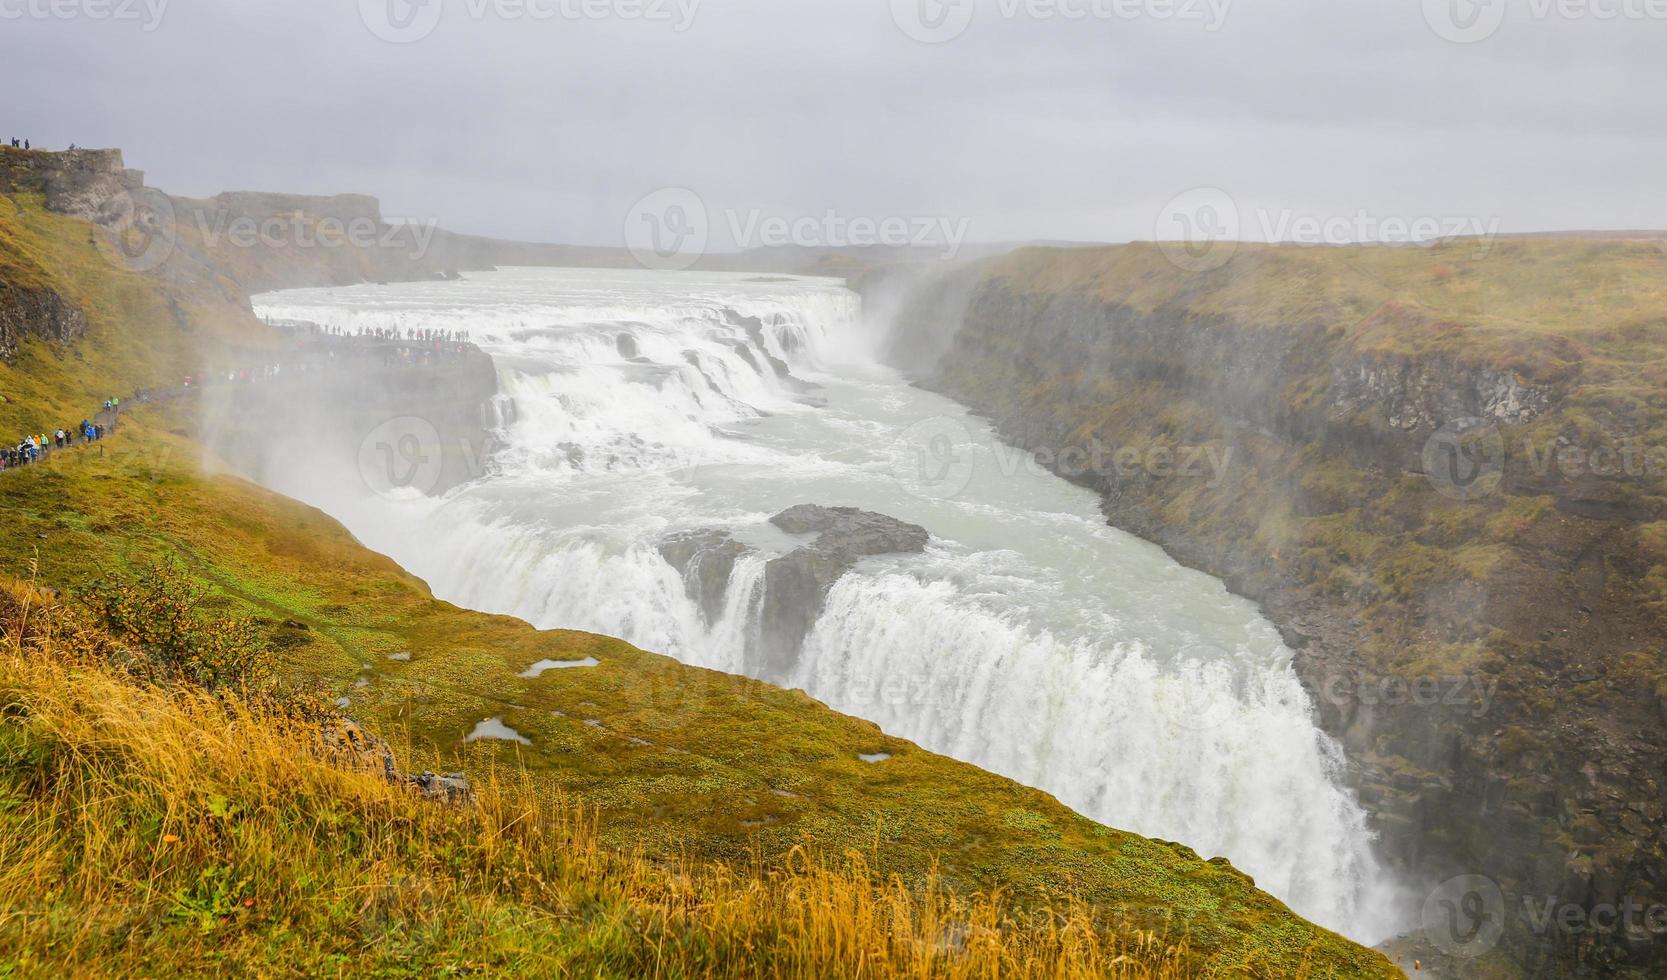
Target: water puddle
{"x":537,"y":670}
{"x":494,"y":728}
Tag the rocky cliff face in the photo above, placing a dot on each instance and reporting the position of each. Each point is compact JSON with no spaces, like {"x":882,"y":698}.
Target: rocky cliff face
{"x":87,"y":184}
{"x":26,"y":312}
{"x":1481,"y":633}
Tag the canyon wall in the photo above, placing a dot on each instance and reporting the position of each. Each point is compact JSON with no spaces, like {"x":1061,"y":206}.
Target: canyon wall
{"x":1412,"y":488}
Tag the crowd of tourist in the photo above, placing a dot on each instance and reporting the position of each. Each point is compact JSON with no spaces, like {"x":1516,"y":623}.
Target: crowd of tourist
{"x":36,"y":446}
{"x":323,"y":349}
{"x":416,"y":335}
{"x":395,"y":344}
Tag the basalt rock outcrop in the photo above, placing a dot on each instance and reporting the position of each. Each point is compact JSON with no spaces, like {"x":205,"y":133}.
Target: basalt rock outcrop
{"x":795,"y":585}
{"x":1453,"y":510}
{"x":93,"y":185}
{"x":37,"y":312}
{"x":706,"y":559}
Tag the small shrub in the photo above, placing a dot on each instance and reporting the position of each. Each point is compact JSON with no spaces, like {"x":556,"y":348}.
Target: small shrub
{"x":160,"y":615}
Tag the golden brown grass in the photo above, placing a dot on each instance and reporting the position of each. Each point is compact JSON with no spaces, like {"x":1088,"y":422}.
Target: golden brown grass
{"x":159,"y":829}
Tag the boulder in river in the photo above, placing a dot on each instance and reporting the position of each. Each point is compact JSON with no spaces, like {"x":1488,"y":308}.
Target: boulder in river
{"x":795,"y":584}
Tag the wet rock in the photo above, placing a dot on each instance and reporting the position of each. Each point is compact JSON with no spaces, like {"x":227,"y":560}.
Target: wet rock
{"x":847,"y":530}
{"x":705,"y":559}
{"x":796,"y":585}
{"x":755,"y":331}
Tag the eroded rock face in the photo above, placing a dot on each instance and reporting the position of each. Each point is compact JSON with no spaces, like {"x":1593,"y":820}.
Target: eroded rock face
{"x":705,"y":559}
{"x":36,"y":313}
{"x":1419,"y":396}
{"x":795,"y":584}
{"x":89,"y":184}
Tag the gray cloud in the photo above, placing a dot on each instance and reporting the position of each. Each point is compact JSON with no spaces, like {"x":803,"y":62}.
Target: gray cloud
{"x":1075,"y":129}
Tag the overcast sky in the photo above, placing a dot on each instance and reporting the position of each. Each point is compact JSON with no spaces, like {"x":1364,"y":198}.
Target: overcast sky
{"x":1025,"y":124}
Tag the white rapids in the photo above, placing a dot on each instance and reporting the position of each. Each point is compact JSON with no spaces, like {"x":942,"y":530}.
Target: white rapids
{"x":1030,"y":639}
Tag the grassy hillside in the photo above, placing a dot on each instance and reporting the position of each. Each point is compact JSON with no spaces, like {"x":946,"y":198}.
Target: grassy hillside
{"x":145,"y":331}
{"x":722,"y":816}
{"x":158,"y":830}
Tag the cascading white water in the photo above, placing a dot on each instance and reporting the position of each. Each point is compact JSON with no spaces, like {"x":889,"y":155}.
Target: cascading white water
{"x":1030,"y":638}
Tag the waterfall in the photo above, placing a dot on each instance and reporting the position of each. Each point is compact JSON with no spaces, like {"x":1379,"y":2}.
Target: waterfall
{"x":1030,"y":639}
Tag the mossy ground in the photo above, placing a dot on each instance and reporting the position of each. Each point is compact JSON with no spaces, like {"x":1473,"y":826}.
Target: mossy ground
{"x":151,"y":828}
